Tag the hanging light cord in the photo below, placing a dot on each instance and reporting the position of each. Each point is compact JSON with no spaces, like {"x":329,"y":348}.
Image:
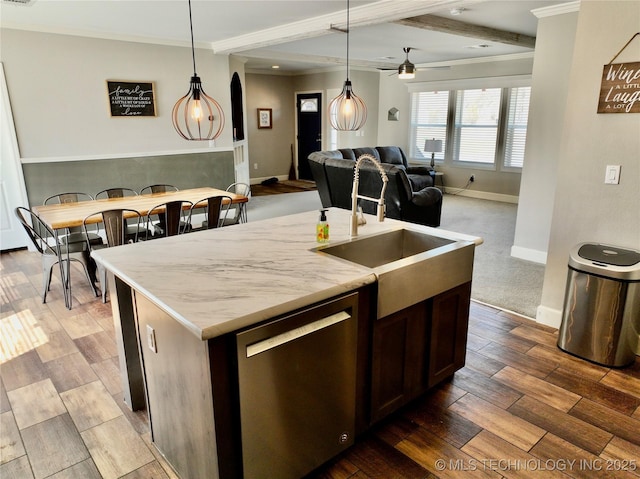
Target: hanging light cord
{"x":348,"y":31}
{"x":193,"y":48}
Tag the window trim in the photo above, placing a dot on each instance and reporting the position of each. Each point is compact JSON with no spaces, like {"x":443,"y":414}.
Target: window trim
{"x":471,"y":83}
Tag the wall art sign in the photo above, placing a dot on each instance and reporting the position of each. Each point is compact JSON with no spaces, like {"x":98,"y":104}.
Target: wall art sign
{"x":131,"y":98}
{"x":620,"y":86}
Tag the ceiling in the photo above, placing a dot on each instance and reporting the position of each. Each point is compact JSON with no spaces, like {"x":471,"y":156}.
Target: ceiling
{"x":300,"y":35}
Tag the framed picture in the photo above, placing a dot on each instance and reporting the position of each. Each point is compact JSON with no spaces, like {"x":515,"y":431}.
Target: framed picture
{"x":128,"y":98}
{"x":264,"y":117}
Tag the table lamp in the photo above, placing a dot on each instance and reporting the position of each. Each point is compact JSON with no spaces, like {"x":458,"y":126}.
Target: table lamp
{"x":433,"y":146}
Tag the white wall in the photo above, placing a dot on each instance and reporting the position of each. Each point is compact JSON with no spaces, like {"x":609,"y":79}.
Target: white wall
{"x":270,"y":149}
{"x":585,"y":209}
{"x":549,"y":88}
{"x":57,"y":85}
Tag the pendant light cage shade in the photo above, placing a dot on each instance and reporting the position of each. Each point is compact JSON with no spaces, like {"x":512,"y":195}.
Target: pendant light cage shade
{"x":347,"y":111}
{"x":197,"y":116}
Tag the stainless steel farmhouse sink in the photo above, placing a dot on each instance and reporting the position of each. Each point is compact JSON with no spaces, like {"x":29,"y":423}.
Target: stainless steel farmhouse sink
{"x":410,"y":265}
{"x":385,"y":248}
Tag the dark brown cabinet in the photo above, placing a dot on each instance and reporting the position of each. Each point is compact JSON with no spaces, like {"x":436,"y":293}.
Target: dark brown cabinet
{"x":416,"y":348}
{"x":448,"y":333}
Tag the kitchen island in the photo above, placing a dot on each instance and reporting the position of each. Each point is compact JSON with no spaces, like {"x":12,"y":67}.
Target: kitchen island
{"x":183,"y":306}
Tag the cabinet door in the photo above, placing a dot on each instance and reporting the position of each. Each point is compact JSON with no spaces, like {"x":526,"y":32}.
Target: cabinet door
{"x":398,"y":359}
{"x":448,"y":338}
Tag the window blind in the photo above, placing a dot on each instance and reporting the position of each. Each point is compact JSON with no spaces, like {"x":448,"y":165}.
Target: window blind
{"x":516,"y":135}
{"x":476,"y":125}
{"x":429,"y":121}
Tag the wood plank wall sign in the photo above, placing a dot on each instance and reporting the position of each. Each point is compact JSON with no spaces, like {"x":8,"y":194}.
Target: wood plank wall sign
{"x":131,"y":98}
{"x":620,"y":86}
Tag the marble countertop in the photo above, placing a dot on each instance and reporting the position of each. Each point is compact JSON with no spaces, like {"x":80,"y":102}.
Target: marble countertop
{"x":218,"y":281}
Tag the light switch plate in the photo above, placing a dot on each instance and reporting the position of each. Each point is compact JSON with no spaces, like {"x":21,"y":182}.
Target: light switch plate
{"x":151,"y":339}
{"x":612,"y":175}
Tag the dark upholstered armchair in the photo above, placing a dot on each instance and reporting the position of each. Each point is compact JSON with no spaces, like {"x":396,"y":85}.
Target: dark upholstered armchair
{"x":405,"y":198}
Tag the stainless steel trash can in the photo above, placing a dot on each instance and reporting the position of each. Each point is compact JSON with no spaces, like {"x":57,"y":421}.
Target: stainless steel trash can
{"x":601,"y":312}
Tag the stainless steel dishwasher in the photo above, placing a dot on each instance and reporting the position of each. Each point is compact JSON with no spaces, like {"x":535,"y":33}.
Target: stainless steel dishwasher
{"x":297,"y":384}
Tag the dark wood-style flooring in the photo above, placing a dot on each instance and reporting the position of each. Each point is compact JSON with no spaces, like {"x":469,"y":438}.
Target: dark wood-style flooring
{"x":520,"y":407}
{"x":285,"y":186}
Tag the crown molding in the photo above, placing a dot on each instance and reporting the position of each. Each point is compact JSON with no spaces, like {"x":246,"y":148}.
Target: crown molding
{"x":561,"y":9}
{"x":105,"y":35}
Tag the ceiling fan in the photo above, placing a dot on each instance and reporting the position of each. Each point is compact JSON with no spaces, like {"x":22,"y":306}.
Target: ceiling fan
{"x":407,"y":70}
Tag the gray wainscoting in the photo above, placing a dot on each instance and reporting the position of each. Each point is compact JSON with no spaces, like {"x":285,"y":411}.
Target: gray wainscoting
{"x":188,"y":170}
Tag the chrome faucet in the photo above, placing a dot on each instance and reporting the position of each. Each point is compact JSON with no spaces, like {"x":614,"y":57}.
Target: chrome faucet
{"x":355,"y":221}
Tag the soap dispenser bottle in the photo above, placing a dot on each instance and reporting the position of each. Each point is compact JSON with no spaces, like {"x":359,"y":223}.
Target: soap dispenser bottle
{"x":322,"y":228}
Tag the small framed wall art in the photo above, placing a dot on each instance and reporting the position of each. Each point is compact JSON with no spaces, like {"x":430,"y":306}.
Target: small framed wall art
{"x":264,"y":118}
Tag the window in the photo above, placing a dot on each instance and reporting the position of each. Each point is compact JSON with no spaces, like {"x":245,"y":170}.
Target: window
{"x":483,"y":127}
{"x":516,"y":127}
{"x":476,"y":125}
{"x":429,"y":117}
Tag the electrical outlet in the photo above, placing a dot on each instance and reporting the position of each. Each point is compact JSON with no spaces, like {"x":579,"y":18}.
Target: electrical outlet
{"x":151,"y":339}
{"x":472,"y":178}
{"x":255,"y":166}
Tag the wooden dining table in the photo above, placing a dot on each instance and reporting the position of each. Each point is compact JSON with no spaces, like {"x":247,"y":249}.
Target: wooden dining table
{"x":68,"y":215}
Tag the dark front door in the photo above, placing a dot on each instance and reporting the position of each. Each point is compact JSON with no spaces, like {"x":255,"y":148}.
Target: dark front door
{"x":309,"y":111}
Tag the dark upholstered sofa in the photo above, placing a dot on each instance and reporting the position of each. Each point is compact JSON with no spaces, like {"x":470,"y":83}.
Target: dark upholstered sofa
{"x":410,"y":195}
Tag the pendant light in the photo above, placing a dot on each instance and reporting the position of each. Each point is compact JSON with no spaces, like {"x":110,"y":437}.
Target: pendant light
{"x":406,"y":70}
{"x":347,"y":111}
{"x":197,"y":116}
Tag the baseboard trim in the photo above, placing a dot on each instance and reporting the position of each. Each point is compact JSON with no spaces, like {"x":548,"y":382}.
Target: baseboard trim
{"x":482,"y":195}
{"x":549,"y":316}
{"x":529,"y":254}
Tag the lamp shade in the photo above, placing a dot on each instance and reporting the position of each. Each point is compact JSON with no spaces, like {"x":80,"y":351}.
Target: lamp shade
{"x":433,"y":146}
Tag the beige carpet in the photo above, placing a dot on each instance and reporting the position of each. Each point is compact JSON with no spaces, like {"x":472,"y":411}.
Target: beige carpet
{"x":498,"y":278}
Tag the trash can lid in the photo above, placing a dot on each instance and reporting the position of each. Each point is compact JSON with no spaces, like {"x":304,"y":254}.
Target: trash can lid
{"x":606,"y":260}
{"x":609,"y":254}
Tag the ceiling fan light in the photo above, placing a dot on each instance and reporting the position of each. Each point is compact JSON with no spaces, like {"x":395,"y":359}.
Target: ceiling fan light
{"x":407,"y":70}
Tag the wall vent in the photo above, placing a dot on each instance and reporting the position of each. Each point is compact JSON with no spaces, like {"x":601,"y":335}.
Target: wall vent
{"x":24,"y":3}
